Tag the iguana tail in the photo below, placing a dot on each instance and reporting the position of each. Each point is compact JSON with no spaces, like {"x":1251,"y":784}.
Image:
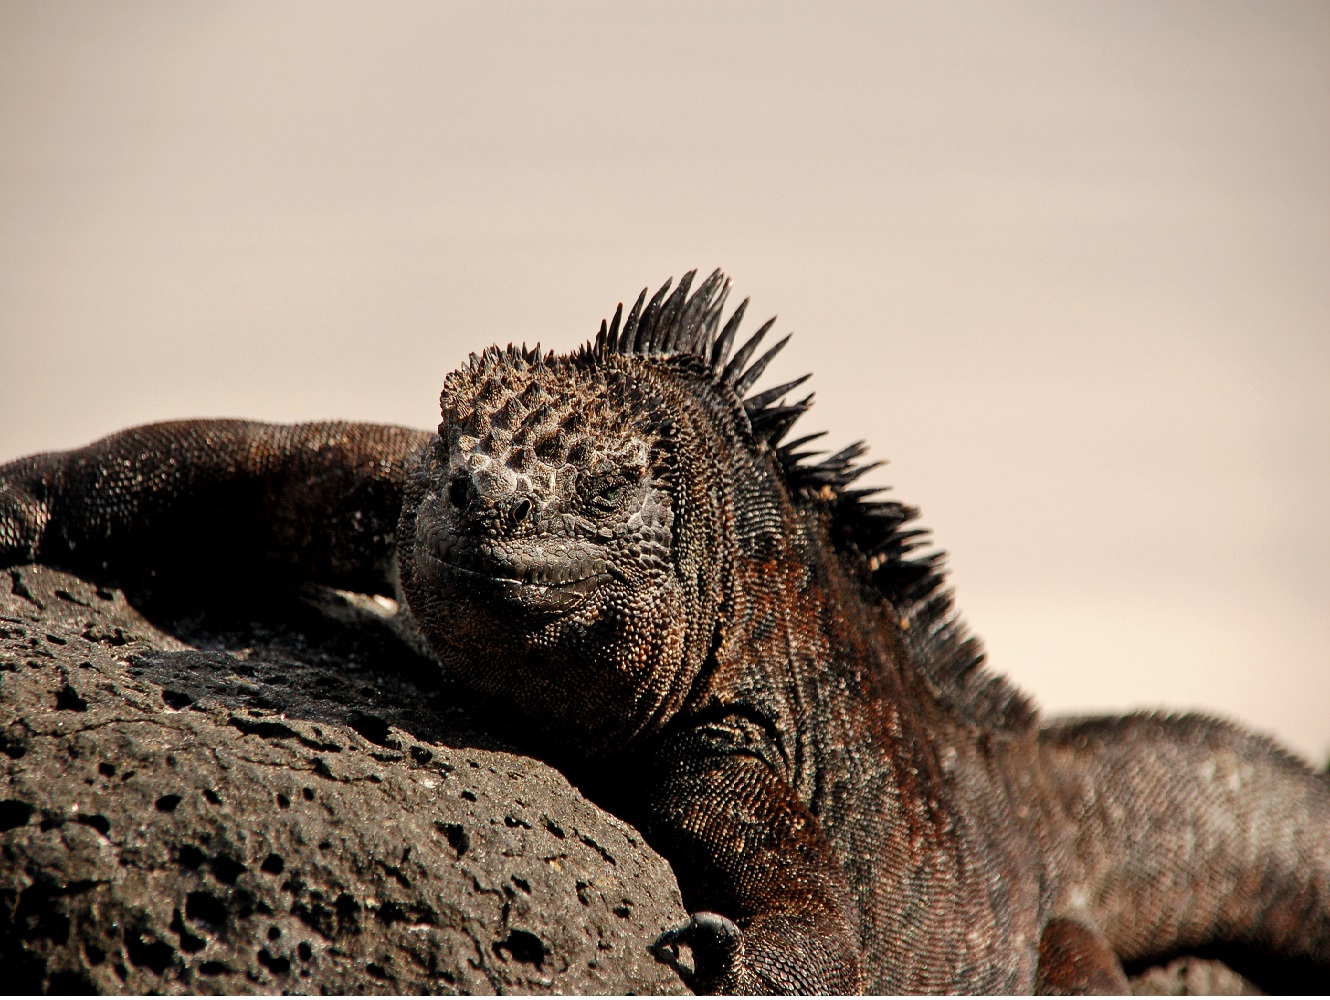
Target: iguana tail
{"x":1189,"y":836}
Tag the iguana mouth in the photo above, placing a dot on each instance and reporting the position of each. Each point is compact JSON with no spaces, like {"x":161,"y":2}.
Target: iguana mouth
{"x":580,"y":577}
{"x":546,"y":581}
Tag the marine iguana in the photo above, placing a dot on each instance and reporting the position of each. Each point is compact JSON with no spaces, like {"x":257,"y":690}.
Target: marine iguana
{"x":757,"y":661}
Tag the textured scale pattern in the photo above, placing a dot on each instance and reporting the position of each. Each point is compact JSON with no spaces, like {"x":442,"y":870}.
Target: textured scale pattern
{"x":722,"y":637}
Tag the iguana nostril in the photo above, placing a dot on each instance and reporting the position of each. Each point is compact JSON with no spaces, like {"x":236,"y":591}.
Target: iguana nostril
{"x":521,"y":509}
{"x":459,"y":495}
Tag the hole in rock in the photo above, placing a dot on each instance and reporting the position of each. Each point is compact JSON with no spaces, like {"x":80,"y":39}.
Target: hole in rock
{"x":14,"y":812}
{"x":189,"y":943}
{"x":176,"y":699}
{"x":99,"y":823}
{"x":68,"y":700}
{"x":154,"y":955}
{"x":227,"y":869}
{"x":278,"y":964}
{"x":205,"y":908}
{"x":522,"y":946}
{"x":456,"y":834}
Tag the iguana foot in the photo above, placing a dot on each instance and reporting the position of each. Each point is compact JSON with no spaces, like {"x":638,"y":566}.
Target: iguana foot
{"x":717,"y":945}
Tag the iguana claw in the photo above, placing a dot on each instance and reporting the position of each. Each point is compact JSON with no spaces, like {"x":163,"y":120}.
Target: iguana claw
{"x":717,"y":944}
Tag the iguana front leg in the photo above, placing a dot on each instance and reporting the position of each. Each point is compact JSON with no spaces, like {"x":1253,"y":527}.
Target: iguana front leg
{"x":313,"y":502}
{"x":772,"y":908}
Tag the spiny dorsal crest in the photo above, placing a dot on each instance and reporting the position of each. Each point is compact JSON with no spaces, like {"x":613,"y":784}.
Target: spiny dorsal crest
{"x":690,"y":325}
{"x":862,"y":523}
{"x":684,"y":324}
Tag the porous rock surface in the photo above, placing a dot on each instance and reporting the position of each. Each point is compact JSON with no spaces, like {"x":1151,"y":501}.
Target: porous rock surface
{"x":287,"y":800}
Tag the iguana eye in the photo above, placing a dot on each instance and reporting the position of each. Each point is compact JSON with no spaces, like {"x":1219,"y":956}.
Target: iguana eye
{"x":606,"y":493}
{"x":602,"y":490}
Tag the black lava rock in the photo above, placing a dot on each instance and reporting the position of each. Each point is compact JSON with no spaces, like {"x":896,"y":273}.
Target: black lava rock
{"x":285,"y":796}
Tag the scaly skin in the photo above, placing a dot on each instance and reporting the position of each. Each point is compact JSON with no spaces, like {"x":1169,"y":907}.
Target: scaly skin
{"x":747,"y":658}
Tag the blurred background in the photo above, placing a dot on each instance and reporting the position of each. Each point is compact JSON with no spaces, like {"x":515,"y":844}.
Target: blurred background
{"x":1066,"y":265}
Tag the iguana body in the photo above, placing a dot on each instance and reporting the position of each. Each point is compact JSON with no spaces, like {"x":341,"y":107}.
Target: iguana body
{"x":748,"y":657}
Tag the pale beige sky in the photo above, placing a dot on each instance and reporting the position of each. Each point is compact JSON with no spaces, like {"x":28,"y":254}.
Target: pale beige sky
{"x":1066,"y":265}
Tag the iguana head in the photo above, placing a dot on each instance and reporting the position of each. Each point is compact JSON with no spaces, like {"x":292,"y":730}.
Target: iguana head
{"x":565,"y":542}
